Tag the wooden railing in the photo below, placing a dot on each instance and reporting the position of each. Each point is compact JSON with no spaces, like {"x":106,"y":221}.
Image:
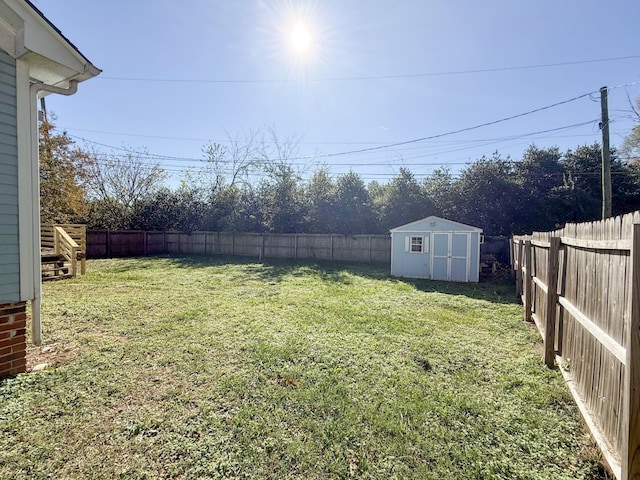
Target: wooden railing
{"x":68,"y":241}
{"x":581,"y":287}
{"x":66,"y":246}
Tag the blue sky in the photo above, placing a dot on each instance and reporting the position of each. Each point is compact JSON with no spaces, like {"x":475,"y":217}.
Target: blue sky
{"x":179,"y":74}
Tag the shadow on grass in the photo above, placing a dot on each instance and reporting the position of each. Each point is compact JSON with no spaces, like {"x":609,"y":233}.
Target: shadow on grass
{"x":275,"y":270}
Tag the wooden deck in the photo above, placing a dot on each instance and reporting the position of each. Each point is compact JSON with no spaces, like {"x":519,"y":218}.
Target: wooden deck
{"x":63,"y":250}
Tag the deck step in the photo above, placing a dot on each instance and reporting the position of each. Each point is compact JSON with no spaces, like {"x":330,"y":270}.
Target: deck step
{"x":47,"y":258}
{"x":54,"y":267}
{"x":48,"y":278}
{"x":71,"y":240}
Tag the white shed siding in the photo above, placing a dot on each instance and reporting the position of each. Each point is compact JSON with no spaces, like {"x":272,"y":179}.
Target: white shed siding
{"x":405,"y":263}
{"x":451,"y":250}
{"x":9,"y":238}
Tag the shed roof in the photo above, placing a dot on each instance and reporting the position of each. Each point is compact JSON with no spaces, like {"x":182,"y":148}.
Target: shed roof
{"x":423,"y":223}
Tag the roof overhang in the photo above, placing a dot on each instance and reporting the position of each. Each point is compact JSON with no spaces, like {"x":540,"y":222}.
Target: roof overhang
{"x":26,"y":34}
{"x":403,"y":228}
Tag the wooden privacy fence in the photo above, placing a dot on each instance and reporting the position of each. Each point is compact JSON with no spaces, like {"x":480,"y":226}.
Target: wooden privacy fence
{"x":351,"y":248}
{"x":581,"y":287}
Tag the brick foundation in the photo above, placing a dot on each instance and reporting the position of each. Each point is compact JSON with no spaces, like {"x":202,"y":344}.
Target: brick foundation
{"x":13,"y":339}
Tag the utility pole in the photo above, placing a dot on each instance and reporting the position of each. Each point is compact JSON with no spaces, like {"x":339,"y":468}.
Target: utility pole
{"x":43,"y":109}
{"x":606,"y":155}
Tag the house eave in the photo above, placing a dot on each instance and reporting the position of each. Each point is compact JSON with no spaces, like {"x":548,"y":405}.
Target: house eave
{"x":26,"y":34}
{"x":50,"y":72}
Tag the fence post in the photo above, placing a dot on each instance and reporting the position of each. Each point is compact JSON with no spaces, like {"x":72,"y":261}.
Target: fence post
{"x":630,"y":454}
{"x":331,"y":236}
{"x":83,"y":241}
{"x":295,"y":246}
{"x":108,"y":243}
{"x":552,"y":294}
{"x":369,"y":248}
{"x":518,"y":256}
{"x":144,"y":243}
{"x":527,"y":280}
{"x":511,"y":258}
{"x":56,"y":241}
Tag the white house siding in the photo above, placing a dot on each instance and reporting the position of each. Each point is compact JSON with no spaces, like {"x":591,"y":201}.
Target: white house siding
{"x":9,"y":239}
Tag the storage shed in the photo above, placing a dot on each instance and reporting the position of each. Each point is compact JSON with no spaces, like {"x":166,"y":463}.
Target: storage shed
{"x":436,"y":249}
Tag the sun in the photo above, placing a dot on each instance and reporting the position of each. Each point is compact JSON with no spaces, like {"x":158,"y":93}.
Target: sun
{"x":300,"y":38}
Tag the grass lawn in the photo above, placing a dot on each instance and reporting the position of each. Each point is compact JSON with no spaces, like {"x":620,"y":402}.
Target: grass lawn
{"x":226,"y":368}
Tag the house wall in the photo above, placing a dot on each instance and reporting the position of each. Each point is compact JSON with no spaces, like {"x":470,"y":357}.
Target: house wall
{"x":9,"y":237}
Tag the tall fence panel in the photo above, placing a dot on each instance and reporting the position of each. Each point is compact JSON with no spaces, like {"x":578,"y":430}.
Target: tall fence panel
{"x":317,"y":247}
{"x":351,"y":248}
{"x":580,"y":285}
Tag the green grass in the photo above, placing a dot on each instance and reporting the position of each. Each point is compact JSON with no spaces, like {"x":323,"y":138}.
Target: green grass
{"x":222,"y":368}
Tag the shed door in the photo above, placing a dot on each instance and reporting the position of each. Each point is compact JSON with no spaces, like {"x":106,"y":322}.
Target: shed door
{"x":450,"y":257}
{"x":440,"y":256}
{"x":459,"y":257}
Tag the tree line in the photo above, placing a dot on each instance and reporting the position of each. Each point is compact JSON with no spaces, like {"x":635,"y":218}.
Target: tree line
{"x":252,"y":185}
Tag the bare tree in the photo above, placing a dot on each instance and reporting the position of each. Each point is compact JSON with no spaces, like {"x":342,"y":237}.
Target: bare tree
{"x":224,"y":166}
{"x":118,"y":183}
{"x":276,"y":153}
{"x":630,"y":149}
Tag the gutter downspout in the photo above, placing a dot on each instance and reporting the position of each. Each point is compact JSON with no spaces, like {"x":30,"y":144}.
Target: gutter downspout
{"x":38,"y":87}
{"x":36,"y":303}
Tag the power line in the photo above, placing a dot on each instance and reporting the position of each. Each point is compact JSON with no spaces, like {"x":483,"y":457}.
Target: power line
{"x":389,"y":145}
{"x":387,"y":162}
{"x":194,"y":139}
{"x":631,"y":84}
{"x":256,"y":172}
{"x":467,"y":129}
{"x":384,"y":175}
{"x":372,"y":77}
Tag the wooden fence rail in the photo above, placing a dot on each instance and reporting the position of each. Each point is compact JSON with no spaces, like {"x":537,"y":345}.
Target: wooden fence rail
{"x":581,"y":287}
{"x":351,"y":248}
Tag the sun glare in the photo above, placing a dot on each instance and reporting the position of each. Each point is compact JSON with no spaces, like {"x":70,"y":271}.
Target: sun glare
{"x":300,"y":38}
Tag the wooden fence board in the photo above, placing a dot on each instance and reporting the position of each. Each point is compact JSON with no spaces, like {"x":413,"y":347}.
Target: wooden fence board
{"x":631,"y":406}
{"x":590,"y":322}
{"x":551,"y":298}
{"x":527,"y":280}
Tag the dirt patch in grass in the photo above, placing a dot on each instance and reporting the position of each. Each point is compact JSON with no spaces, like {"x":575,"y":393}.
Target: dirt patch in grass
{"x":50,"y":353}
